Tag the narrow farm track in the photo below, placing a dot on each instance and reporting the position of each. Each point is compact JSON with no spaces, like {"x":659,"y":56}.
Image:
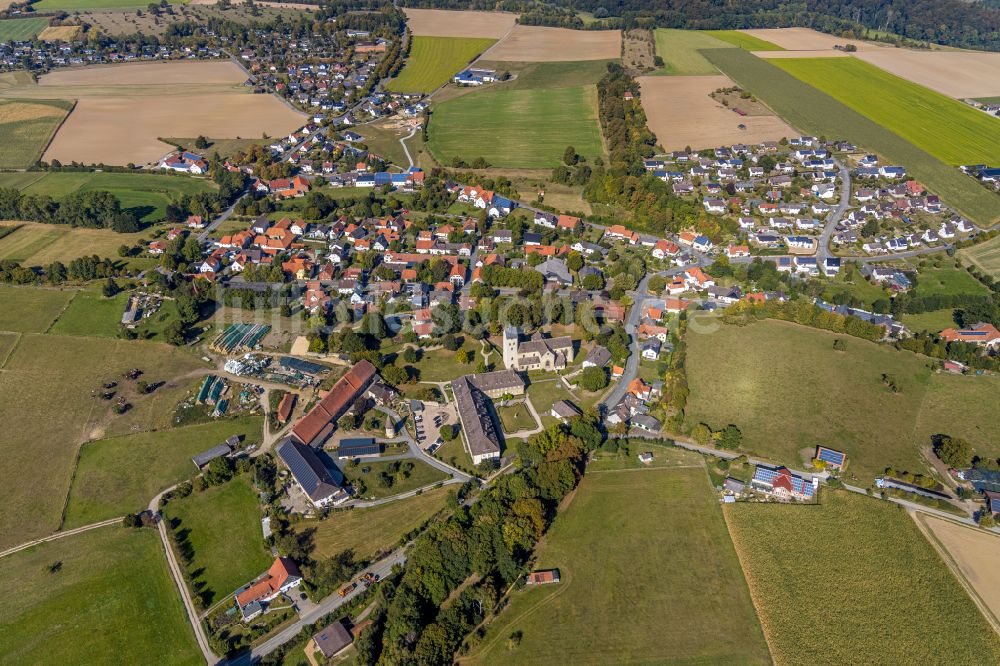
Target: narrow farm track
{"x":60,"y":535}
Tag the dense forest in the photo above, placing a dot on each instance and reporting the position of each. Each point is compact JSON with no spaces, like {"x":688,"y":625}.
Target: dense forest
{"x":952,"y":22}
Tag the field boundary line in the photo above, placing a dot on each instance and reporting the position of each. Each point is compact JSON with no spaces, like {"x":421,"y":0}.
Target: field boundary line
{"x":55,"y":131}
{"x":919,"y":518}
{"x":60,"y":535}
{"x":48,"y":330}
{"x":17,"y":342}
{"x":645,"y":469}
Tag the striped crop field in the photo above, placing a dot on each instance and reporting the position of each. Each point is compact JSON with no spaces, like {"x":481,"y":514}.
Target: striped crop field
{"x":952,"y":131}
{"x":434,"y":60}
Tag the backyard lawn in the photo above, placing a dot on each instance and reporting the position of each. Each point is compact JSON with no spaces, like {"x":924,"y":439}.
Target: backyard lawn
{"x":110,"y":600}
{"x":649,"y":575}
{"x":223,"y":527}
{"x":396,"y":480}
{"x":854,"y":581}
{"x":121,"y":474}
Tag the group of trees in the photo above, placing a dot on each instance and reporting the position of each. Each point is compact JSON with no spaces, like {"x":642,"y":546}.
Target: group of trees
{"x":492,"y":539}
{"x":95,"y":209}
{"x":805,"y":313}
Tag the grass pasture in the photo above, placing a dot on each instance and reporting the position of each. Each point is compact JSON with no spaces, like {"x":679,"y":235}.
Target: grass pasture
{"x":945,"y":278}
{"x":144,"y":194}
{"x":222,"y":525}
{"x":883,"y":597}
{"x":421,"y":475}
{"x":649,"y":575}
{"x":434,"y":60}
{"x":369,"y":531}
{"x":811,"y":110}
{"x":527,"y":128}
{"x":679,"y":50}
{"x":744,"y":41}
{"x":17,"y":30}
{"x":31,"y":310}
{"x":26,"y":127}
{"x":48,"y":412}
{"x":84,"y":5}
{"x":90,"y":313}
{"x":946,"y":128}
{"x":111,"y":596}
{"x":984,"y":256}
{"x":786,"y":388}
{"x":121,"y":474}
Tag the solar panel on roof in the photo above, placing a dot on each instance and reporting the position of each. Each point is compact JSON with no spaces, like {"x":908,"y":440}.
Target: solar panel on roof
{"x":831,"y":456}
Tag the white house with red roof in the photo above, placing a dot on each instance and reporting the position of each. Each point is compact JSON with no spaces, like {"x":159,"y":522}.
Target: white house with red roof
{"x":283,"y":575}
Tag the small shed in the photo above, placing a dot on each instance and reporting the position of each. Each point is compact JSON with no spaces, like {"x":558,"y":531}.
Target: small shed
{"x":542,"y":577}
{"x":331,"y":641}
{"x":206,"y":457}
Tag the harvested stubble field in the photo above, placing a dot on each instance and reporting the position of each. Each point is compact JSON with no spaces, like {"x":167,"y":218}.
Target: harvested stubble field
{"x":811,"y":110}
{"x":159,"y":99}
{"x":46,"y":404}
{"x":971,"y":553}
{"x":26,"y":127}
{"x":35,"y":244}
{"x":648,"y":574}
{"x":527,"y":43}
{"x":434,"y":60}
{"x":679,"y":50}
{"x":447,"y":23}
{"x":954,"y":73}
{"x":520,"y":128}
{"x":853,"y":581}
{"x":21,"y":29}
{"x":681,"y":112}
{"x":112,"y":595}
{"x":946,"y":128}
{"x":787,"y":389}
{"x":807,"y":39}
{"x":369,"y":531}
{"x":984,"y":256}
{"x":61,"y":33}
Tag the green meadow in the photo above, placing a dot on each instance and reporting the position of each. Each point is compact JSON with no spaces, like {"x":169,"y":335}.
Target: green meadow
{"x":744,"y":41}
{"x":680,"y":51}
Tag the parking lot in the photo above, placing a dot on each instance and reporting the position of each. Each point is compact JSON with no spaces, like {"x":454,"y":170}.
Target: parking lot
{"x":428,"y":424}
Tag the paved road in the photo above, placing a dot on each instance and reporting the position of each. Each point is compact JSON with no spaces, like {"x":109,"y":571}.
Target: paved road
{"x":403,"y":141}
{"x":382,"y":568}
{"x":60,"y":535}
{"x":222,"y":217}
{"x":823,"y":248}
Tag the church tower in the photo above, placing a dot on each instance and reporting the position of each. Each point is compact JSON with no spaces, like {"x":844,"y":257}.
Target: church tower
{"x":510,"y":341}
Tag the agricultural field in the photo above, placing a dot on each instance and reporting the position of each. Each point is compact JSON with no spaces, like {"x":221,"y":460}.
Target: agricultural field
{"x":90,"y":313}
{"x":744,"y":40}
{"x":970,"y":553}
{"x":807,"y":39}
{"x":26,"y":127}
{"x":810,"y":110}
{"x":36,"y":244}
{"x":31,"y":310}
{"x":12,"y":30}
{"x":682,"y":113}
{"x":374,"y":530}
{"x":984,"y":256}
{"x":933,"y":321}
{"x":679,"y":50}
{"x":883,"y":597}
{"x":83,"y":5}
{"x":47,"y":403}
{"x":528,"y":43}
{"x":122,"y":474}
{"x":447,"y":23}
{"x":111,"y":595}
{"x":946,"y":128}
{"x":156,"y":98}
{"x":788,"y":390}
{"x":959,"y":74}
{"x":520,"y":128}
{"x":61,"y":33}
{"x":146,"y":195}
{"x":434,"y":60}
{"x":222,"y":525}
{"x":631,"y":593}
